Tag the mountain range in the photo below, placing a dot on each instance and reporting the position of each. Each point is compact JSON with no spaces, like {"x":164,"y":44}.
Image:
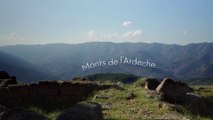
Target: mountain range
{"x":65,"y":61}
{"x":22,"y":69}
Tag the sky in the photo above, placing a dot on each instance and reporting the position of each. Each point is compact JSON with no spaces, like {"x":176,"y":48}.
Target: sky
{"x":78,"y":21}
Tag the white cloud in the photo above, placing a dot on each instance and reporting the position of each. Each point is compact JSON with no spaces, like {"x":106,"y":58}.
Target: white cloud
{"x":129,"y":35}
{"x":132,"y":34}
{"x":127,"y":23}
{"x":115,"y":36}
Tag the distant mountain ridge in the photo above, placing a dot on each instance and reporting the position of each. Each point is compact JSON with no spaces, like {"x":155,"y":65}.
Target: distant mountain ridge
{"x":66,"y":60}
{"x":23,"y":70}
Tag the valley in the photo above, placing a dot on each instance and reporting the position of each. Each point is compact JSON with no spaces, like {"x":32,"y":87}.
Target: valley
{"x":69,"y":60}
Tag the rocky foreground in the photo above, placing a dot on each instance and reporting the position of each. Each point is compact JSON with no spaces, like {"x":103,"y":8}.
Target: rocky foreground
{"x":71,"y":96}
{"x":46,"y":93}
{"x":177,"y":92}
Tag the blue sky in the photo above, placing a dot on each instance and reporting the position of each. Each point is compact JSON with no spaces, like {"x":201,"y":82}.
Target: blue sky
{"x":79,"y":21}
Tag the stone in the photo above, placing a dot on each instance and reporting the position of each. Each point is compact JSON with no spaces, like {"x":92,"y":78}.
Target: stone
{"x":151,"y":94}
{"x":185,"y":86}
{"x":4,"y":95}
{"x":77,"y":88}
{"x":3,"y":109}
{"x":18,"y":91}
{"x":130,"y":96}
{"x":170,"y":91}
{"x":196,"y":104}
{"x":7,"y":82}
{"x":48,"y":88}
{"x":4,"y":75}
{"x":33,"y":90}
{"x":167,"y":106}
{"x":72,"y":89}
{"x":151,"y":84}
{"x":21,"y":114}
{"x":82,"y":111}
{"x":105,"y":106}
{"x":101,"y":97}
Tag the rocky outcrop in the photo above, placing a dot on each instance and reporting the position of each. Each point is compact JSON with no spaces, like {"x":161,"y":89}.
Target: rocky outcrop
{"x":82,"y":111}
{"x":196,"y":104}
{"x":78,"y":88}
{"x":168,"y":106}
{"x":21,"y":114}
{"x":6,"y":80}
{"x":17,"y":94}
{"x":45,"y":93}
{"x":48,"y":88}
{"x":170,"y":91}
{"x":58,"y":91}
{"x":101,"y":97}
{"x":4,"y":75}
{"x":4,"y":95}
{"x":3,"y":109}
{"x":185,"y":86}
{"x":151,"y":84}
{"x":179,"y":92}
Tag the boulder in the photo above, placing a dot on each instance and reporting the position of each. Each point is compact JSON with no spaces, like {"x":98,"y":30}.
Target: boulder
{"x":151,"y":84}
{"x":170,"y":91}
{"x":18,"y":91}
{"x":72,"y":89}
{"x":102,"y":97}
{"x":3,"y":109}
{"x":185,"y":86}
{"x":21,"y":114}
{"x":86,"y":83}
{"x":4,"y":75}
{"x":48,"y":88}
{"x":152,"y":94}
{"x":77,"y":88}
{"x":7,"y":82}
{"x":105,"y":106}
{"x":196,"y":104}
{"x":168,"y":106}
{"x":82,"y":111}
{"x":33,"y":90}
{"x":4,"y":95}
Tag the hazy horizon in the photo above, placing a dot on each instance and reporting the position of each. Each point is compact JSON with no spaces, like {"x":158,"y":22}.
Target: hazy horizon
{"x":74,"y":22}
{"x":107,"y":42}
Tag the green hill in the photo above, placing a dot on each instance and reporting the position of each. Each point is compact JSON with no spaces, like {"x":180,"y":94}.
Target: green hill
{"x":113,"y":77}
